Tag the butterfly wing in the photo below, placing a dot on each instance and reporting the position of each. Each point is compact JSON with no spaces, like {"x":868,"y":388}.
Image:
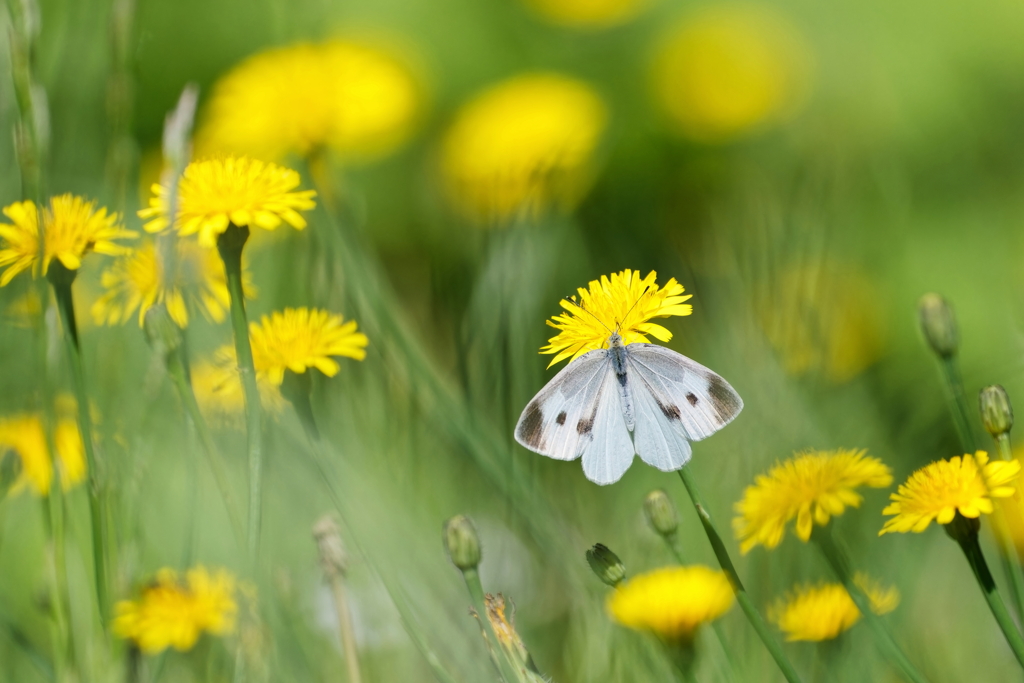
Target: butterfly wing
{"x":678,"y":400}
{"x":579,"y":412}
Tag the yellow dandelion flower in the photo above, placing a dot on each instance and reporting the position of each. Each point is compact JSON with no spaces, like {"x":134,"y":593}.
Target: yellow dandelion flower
{"x":358,"y":100}
{"x":174,"y":613}
{"x":73,"y":227}
{"x":671,"y":602}
{"x":218,"y":388}
{"x":301,"y":338}
{"x":822,"y":612}
{"x":965,"y":484}
{"x":24,"y":436}
{"x":811,"y":488}
{"x":215,"y":193}
{"x":729,"y":70}
{"x":593,"y":14}
{"x":523,"y":146}
{"x":139,"y":281}
{"x":622,"y":302}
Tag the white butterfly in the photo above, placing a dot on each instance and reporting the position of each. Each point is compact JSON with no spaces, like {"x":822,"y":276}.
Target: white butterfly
{"x":610,"y":404}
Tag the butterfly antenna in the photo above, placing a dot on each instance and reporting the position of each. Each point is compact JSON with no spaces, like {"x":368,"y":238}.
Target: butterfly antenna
{"x":579,"y":305}
{"x":638,"y":299}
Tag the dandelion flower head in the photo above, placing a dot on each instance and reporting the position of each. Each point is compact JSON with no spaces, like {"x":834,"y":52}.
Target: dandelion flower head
{"x":588,"y":14}
{"x":522,"y":146}
{"x":671,"y":602}
{"x":300,"y":338}
{"x":194,"y":279}
{"x":219,"y":391}
{"x":729,"y":70}
{"x":23,"y":436}
{"x":356,"y":99}
{"x":822,"y":612}
{"x":965,"y":484}
{"x":622,"y":302}
{"x":811,"y":488}
{"x":73,"y":227}
{"x":174,"y":613}
{"x":217,"y":192}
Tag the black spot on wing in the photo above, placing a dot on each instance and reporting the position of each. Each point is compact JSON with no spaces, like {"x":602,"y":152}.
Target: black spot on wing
{"x":531,"y":428}
{"x":691,"y":398}
{"x":561,"y":418}
{"x":669,"y":411}
{"x":723,"y":397}
{"x":585,"y":425}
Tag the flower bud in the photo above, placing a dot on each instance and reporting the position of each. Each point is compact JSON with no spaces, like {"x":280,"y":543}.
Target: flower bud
{"x":661,"y":513}
{"x":462,"y":542}
{"x":996,"y":411}
{"x":606,"y":565}
{"x":938,"y":323}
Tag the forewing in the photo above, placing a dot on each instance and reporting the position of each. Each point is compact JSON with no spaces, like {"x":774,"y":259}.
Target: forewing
{"x":558,"y":421}
{"x":609,"y":452}
{"x":682,"y":391}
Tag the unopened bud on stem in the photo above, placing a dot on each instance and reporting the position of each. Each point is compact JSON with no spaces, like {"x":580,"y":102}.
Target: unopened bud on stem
{"x":938,"y":323}
{"x":461,"y":542}
{"x":606,"y":565}
{"x":661,"y":513}
{"x":996,"y":411}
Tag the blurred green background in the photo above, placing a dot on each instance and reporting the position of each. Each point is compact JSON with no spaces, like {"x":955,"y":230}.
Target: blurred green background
{"x":806,"y":241}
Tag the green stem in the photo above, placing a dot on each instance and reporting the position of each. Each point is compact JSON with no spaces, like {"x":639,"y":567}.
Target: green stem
{"x":1007,"y":550}
{"x":958,"y":402}
{"x":840,"y":564}
{"x":969,"y":544}
{"x":176,"y":370}
{"x":476,"y":593}
{"x":230,"y":246}
{"x":61,"y":280}
{"x":746,"y":604}
{"x":53,"y":514}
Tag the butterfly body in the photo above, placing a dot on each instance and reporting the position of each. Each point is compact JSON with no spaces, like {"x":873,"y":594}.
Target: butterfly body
{"x":637,"y":399}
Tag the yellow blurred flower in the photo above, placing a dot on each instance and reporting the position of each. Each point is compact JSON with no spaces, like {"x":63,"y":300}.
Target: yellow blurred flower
{"x":593,"y":14}
{"x":822,"y":612}
{"x":301,"y":338}
{"x":359,"y":101}
{"x":622,"y":302}
{"x":218,"y":388}
{"x":73,"y":227}
{"x":811,"y":488}
{"x":24,"y":436}
{"x":731,"y":69}
{"x":174,"y":613}
{"x":671,"y":602}
{"x":523,"y":146}
{"x":230,"y":190}
{"x":823,"y":319}
{"x":140,"y":280}
{"x":965,"y":484}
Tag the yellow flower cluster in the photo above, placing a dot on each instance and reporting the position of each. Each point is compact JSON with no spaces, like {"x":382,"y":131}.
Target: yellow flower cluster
{"x":174,"y":613}
{"x":822,"y":612}
{"x":300,"y":338}
{"x":357,"y":100}
{"x":73,"y":227}
{"x":672,"y":602}
{"x":240,"y":191}
{"x":937,"y":492}
{"x":24,"y":436}
{"x":622,"y":302}
{"x":218,"y":388}
{"x":810,"y":488}
{"x":523,"y":146}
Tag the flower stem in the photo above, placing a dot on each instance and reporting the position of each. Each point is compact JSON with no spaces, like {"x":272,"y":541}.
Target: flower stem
{"x":746,"y":604}
{"x":1002,"y":525}
{"x":958,"y":402}
{"x":969,"y":544}
{"x":61,"y":280}
{"x":230,"y":245}
{"x":53,"y":514}
{"x":476,"y":593}
{"x":176,"y":370}
{"x":840,"y":564}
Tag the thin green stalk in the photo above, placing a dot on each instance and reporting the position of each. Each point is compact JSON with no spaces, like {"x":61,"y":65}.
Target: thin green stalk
{"x":746,"y":604}
{"x":972,"y":550}
{"x":178,"y":375}
{"x":684,"y":658}
{"x":476,"y":593}
{"x":53,"y":515}
{"x":958,"y":402}
{"x":230,"y":246}
{"x":840,"y":564}
{"x":61,"y":280}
